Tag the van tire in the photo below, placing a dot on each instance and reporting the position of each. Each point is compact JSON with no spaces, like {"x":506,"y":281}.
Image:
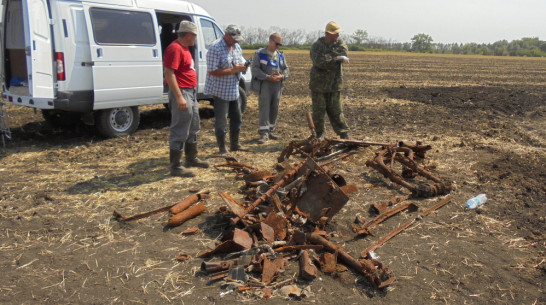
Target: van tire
{"x":118,"y":122}
{"x":242,"y":99}
{"x":60,"y":118}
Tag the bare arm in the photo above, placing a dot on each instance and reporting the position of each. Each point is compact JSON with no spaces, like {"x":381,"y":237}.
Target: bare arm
{"x":170,"y":78}
{"x":233,"y":70}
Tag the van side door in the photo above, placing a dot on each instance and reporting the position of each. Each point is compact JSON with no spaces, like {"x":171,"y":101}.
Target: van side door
{"x":126,"y":56}
{"x":209,"y":33}
{"x":38,"y":48}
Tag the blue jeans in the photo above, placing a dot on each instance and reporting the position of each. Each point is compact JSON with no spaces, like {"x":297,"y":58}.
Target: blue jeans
{"x":224,"y":109}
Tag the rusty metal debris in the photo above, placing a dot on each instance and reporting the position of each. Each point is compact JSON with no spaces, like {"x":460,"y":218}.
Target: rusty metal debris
{"x":402,"y":227}
{"x":384,"y":205}
{"x":365,"y":228}
{"x":285,"y":214}
{"x":173,"y":208}
{"x":238,"y":167}
{"x":405,"y":156}
{"x":299,"y":201}
{"x":372,"y":269}
{"x":185,"y":215}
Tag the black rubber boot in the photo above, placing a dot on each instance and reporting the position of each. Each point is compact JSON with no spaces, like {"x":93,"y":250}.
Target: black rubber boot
{"x":191,"y":157}
{"x":221,"y":140}
{"x":177,"y":169}
{"x":234,"y":141}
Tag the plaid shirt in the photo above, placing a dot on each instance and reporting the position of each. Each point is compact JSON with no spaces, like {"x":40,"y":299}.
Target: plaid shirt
{"x":219,"y":57}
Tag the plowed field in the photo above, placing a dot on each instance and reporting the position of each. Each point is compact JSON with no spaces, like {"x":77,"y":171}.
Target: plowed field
{"x":485,"y":118}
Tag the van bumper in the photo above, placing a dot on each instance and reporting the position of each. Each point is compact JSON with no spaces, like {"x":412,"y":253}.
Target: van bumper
{"x":77,"y":101}
{"x":28,"y":101}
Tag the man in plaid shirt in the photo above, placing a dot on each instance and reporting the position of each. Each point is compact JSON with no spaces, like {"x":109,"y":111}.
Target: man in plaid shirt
{"x":225,"y":62}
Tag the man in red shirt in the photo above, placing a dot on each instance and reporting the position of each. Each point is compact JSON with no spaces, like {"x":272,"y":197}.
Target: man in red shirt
{"x":181,"y":77}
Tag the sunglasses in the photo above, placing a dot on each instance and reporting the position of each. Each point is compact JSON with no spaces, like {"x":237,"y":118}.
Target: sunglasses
{"x":278,"y":44}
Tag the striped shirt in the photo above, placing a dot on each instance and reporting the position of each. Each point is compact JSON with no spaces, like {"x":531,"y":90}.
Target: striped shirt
{"x":219,"y":56}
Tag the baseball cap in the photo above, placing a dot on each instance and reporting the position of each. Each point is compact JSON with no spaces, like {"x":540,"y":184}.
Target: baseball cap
{"x":235,"y":32}
{"x":187,"y":27}
{"x":332,"y":28}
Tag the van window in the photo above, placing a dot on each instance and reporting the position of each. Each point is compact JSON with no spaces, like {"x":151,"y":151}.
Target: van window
{"x":211,"y":32}
{"x":122,"y":27}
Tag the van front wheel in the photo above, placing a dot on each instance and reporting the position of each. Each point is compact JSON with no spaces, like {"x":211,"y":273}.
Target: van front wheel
{"x":118,"y":122}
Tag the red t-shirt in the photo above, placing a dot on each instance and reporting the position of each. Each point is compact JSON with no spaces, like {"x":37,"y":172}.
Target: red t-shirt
{"x":178,"y":58}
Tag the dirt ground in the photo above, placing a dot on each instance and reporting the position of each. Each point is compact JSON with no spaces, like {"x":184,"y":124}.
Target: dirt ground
{"x":485,"y":118}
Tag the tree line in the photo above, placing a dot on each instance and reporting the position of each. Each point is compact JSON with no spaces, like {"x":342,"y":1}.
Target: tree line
{"x":422,"y":43}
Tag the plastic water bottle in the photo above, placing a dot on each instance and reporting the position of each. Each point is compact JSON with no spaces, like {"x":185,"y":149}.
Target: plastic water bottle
{"x":472,"y":203}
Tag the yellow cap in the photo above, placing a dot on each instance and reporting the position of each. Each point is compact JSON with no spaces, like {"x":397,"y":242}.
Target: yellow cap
{"x":332,"y":28}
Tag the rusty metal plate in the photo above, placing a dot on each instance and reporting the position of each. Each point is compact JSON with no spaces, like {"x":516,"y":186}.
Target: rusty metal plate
{"x":323,"y":196}
{"x":279,"y":225}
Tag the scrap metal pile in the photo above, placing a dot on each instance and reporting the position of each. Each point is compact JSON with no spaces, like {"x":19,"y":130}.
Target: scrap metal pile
{"x":285,"y":214}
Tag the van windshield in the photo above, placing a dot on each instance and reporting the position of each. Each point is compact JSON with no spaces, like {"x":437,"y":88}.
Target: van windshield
{"x":120,"y":27}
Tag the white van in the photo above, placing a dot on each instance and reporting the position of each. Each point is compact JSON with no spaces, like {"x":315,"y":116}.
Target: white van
{"x":96,"y":60}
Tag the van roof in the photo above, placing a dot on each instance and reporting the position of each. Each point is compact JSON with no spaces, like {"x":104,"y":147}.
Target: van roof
{"x":160,"y":5}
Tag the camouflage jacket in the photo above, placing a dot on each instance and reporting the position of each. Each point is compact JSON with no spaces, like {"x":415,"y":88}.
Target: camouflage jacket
{"x":326,"y":73}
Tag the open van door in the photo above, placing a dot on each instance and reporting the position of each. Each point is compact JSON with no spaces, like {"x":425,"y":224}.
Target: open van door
{"x":124,"y":76}
{"x":38,"y":48}
{"x":210,"y":32}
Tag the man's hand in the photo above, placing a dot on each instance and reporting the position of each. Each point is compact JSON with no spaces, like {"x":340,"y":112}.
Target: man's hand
{"x":181,"y":104}
{"x":343,"y":59}
{"x":275,"y":77}
{"x":239,"y":68}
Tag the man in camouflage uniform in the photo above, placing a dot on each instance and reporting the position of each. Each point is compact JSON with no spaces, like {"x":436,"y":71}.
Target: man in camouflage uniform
{"x":328,"y":54}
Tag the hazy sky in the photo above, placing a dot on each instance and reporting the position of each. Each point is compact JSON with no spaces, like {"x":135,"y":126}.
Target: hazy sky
{"x":480,"y":21}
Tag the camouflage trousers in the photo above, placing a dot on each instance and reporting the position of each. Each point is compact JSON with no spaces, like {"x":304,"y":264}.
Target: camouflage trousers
{"x":329,"y":103}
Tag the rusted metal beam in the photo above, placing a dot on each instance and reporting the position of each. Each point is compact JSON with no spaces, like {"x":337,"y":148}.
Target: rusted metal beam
{"x":420,"y":190}
{"x":402,"y":227}
{"x":356,"y":143}
{"x":372,"y":269}
{"x":385,"y":238}
{"x":365,"y":228}
{"x":298,"y":248}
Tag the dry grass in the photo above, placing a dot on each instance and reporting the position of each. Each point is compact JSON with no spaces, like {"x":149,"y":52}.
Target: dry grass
{"x":60,"y":244}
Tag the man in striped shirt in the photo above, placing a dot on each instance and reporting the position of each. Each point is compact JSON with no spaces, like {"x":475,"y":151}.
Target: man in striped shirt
{"x":225,"y":63}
